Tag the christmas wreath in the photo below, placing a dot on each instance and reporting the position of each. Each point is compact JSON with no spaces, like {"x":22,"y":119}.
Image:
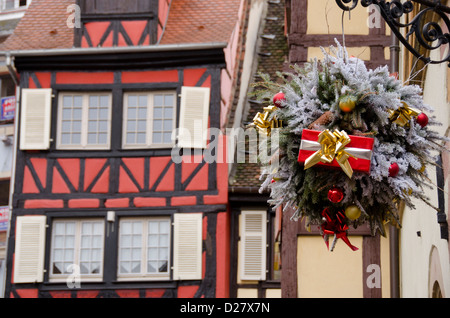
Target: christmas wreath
{"x":351,"y":143}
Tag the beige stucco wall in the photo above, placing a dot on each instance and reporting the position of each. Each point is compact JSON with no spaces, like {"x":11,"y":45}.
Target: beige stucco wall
{"x":337,"y":274}
{"x":415,"y":251}
{"x":325,"y":17}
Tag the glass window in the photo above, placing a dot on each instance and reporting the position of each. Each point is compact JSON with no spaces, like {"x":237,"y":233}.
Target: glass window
{"x":77,"y":243}
{"x":84,"y":121}
{"x":149,"y":119}
{"x":144,"y":248}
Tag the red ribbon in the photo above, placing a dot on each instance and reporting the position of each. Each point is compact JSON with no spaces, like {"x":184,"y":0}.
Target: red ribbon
{"x":336,"y":225}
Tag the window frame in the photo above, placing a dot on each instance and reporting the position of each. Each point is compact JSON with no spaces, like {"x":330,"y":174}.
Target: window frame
{"x":149,"y":119}
{"x":84,"y":145}
{"x":143,"y":275}
{"x":58,"y":278}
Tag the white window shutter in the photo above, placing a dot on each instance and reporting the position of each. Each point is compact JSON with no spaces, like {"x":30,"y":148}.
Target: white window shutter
{"x":194,"y":114}
{"x":187,"y":246}
{"x":253,"y":245}
{"x":29,"y":250}
{"x":35,"y":113}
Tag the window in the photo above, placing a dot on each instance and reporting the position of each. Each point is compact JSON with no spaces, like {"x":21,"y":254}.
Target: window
{"x":79,"y":243}
{"x":149,"y":119}
{"x":144,"y":248}
{"x":116,"y":6}
{"x":84,"y":121}
{"x":6,"y":5}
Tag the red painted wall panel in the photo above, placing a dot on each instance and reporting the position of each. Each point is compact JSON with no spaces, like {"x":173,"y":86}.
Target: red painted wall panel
{"x":150,"y":76}
{"x":84,"y":78}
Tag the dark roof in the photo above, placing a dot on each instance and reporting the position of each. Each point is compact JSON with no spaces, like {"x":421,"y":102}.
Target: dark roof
{"x":44,"y":25}
{"x":201,"y":21}
{"x":272,"y":58}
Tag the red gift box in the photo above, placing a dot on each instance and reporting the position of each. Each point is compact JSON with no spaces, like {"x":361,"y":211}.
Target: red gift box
{"x":360,"y":147}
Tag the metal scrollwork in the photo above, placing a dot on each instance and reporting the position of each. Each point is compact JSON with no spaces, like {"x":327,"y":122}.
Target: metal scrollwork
{"x":429,"y":35}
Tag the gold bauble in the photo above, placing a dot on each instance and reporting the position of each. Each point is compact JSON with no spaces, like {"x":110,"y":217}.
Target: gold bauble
{"x":352,"y":212}
{"x":347,"y":103}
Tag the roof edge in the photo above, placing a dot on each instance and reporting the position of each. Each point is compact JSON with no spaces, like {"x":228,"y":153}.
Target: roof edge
{"x":117,"y":50}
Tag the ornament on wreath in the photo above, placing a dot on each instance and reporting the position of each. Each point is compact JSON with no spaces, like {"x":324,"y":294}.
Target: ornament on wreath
{"x":394,"y":169}
{"x":336,"y":226}
{"x":335,"y":195}
{"x":422,"y":120}
{"x":331,"y":139}
{"x":279,"y":99}
{"x":264,"y":123}
{"x":347,"y":103}
{"x":403,"y":114}
{"x":352,"y":212}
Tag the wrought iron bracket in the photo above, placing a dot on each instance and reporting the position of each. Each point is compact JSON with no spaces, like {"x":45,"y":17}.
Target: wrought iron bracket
{"x":429,"y":35}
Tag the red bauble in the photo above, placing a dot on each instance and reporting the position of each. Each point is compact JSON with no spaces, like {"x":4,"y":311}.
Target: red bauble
{"x":422,"y":119}
{"x":335,"y":195}
{"x":278,"y":99}
{"x":393,"y":170}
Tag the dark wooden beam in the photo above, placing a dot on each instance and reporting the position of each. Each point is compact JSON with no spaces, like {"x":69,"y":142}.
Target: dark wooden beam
{"x":289,"y":255}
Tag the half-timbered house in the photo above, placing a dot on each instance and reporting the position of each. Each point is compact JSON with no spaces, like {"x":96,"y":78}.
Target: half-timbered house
{"x":120,"y":188}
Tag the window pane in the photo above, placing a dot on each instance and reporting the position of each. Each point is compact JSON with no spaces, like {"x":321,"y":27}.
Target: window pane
{"x":158,"y":100}
{"x":93,"y":101}
{"x":135,"y":267}
{"x":142,"y":113}
{"x":157,"y":125}
{"x":153,"y":240}
{"x":77,"y":113}
{"x":92,"y":139}
{"x":167,"y":138}
{"x":158,"y":113}
{"x":103,"y":113}
{"x":67,"y":114}
{"x":131,"y":138}
{"x":151,"y":267}
{"x":162,"y":266}
{"x":66,"y":127}
{"x":93,"y":113}
{"x":78,"y":101}
{"x":92,"y":127}
{"x":168,"y":100}
{"x":65,"y":139}
{"x":76,"y":127}
{"x":168,"y":113}
{"x":130,"y":247}
{"x":143,"y":101}
{"x":102,"y":138}
{"x":164,"y":227}
{"x":67,"y":101}
{"x":141,"y":138}
{"x":76,"y":139}
{"x":167,"y":125}
{"x":157,"y":138}
{"x":104,"y":101}
{"x":132,"y":101}
{"x":131,"y":113}
{"x":153,"y":227}
{"x":142,"y":125}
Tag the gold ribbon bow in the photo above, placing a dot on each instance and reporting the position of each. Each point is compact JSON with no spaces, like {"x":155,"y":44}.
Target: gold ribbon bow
{"x":332,"y":147}
{"x":262,"y":122}
{"x":403,"y":114}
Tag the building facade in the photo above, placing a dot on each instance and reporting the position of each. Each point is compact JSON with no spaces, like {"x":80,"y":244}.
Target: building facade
{"x":107,"y":201}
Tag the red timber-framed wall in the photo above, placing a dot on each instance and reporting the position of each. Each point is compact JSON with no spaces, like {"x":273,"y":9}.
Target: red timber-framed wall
{"x":75,"y":184}
{"x":131,"y":182}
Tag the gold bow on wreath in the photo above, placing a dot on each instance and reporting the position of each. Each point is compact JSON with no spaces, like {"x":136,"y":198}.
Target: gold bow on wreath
{"x":332,"y":147}
{"x":403,"y":114}
{"x":263,"y":124}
